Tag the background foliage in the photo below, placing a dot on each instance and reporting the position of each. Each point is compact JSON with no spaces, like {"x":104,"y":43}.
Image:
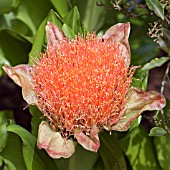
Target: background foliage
{"x":22,"y":34}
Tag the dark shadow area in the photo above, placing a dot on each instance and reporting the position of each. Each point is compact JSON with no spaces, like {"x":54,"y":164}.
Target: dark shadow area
{"x":11,"y":99}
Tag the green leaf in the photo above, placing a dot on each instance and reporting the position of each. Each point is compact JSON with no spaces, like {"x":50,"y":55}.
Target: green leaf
{"x":157,"y":7}
{"x":13,"y":153}
{"x":29,"y":142}
{"x":157,"y":62}
{"x":73,"y":21}
{"x":40,"y":37}
{"x":16,"y":53}
{"x":89,"y":159}
{"x":163,"y":151}
{"x":8,"y":164}
{"x":140,"y":151}
{"x":32,"y":13}
{"x":157,"y":131}
{"x":140,"y":79}
{"x":21,"y":29}
{"x":34,"y":159}
{"x":16,"y":27}
{"x":111,"y":152}
{"x":61,"y":7}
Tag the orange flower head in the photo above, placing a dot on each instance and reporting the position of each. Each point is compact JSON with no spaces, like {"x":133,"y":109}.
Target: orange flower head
{"x":81,"y":83}
{"x":83,"y":86}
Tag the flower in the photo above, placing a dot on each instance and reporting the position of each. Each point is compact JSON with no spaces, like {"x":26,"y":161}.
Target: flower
{"x":81,"y":83}
{"x":82,"y":86}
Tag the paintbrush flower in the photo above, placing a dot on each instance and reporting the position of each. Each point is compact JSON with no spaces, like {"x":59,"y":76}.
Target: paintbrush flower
{"x":82,"y":86}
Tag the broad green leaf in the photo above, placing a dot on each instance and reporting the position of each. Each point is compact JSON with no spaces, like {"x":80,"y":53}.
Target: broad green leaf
{"x":157,"y":62}
{"x":111,"y":152}
{"x":13,"y":152}
{"x":61,"y":7}
{"x":140,"y":151}
{"x":40,"y":37}
{"x":157,"y":131}
{"x":17,"y":52}
{"x":157,"y":7}
{"x":15,"y":27}
{"x":73,"y":21}
{"x":89,"y":159}
{"x":29,"y":144}
{"x":21,"y":28}
{"x":23,"y":15}
{"x":8,"y":164}
{"x":19,"y":35}
{"x":34,"y":159}
{"x":32,"y":13}
{"x":163,"y":151}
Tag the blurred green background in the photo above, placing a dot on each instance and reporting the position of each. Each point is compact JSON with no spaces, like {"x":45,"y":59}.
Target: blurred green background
{"x":22,"y":24}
